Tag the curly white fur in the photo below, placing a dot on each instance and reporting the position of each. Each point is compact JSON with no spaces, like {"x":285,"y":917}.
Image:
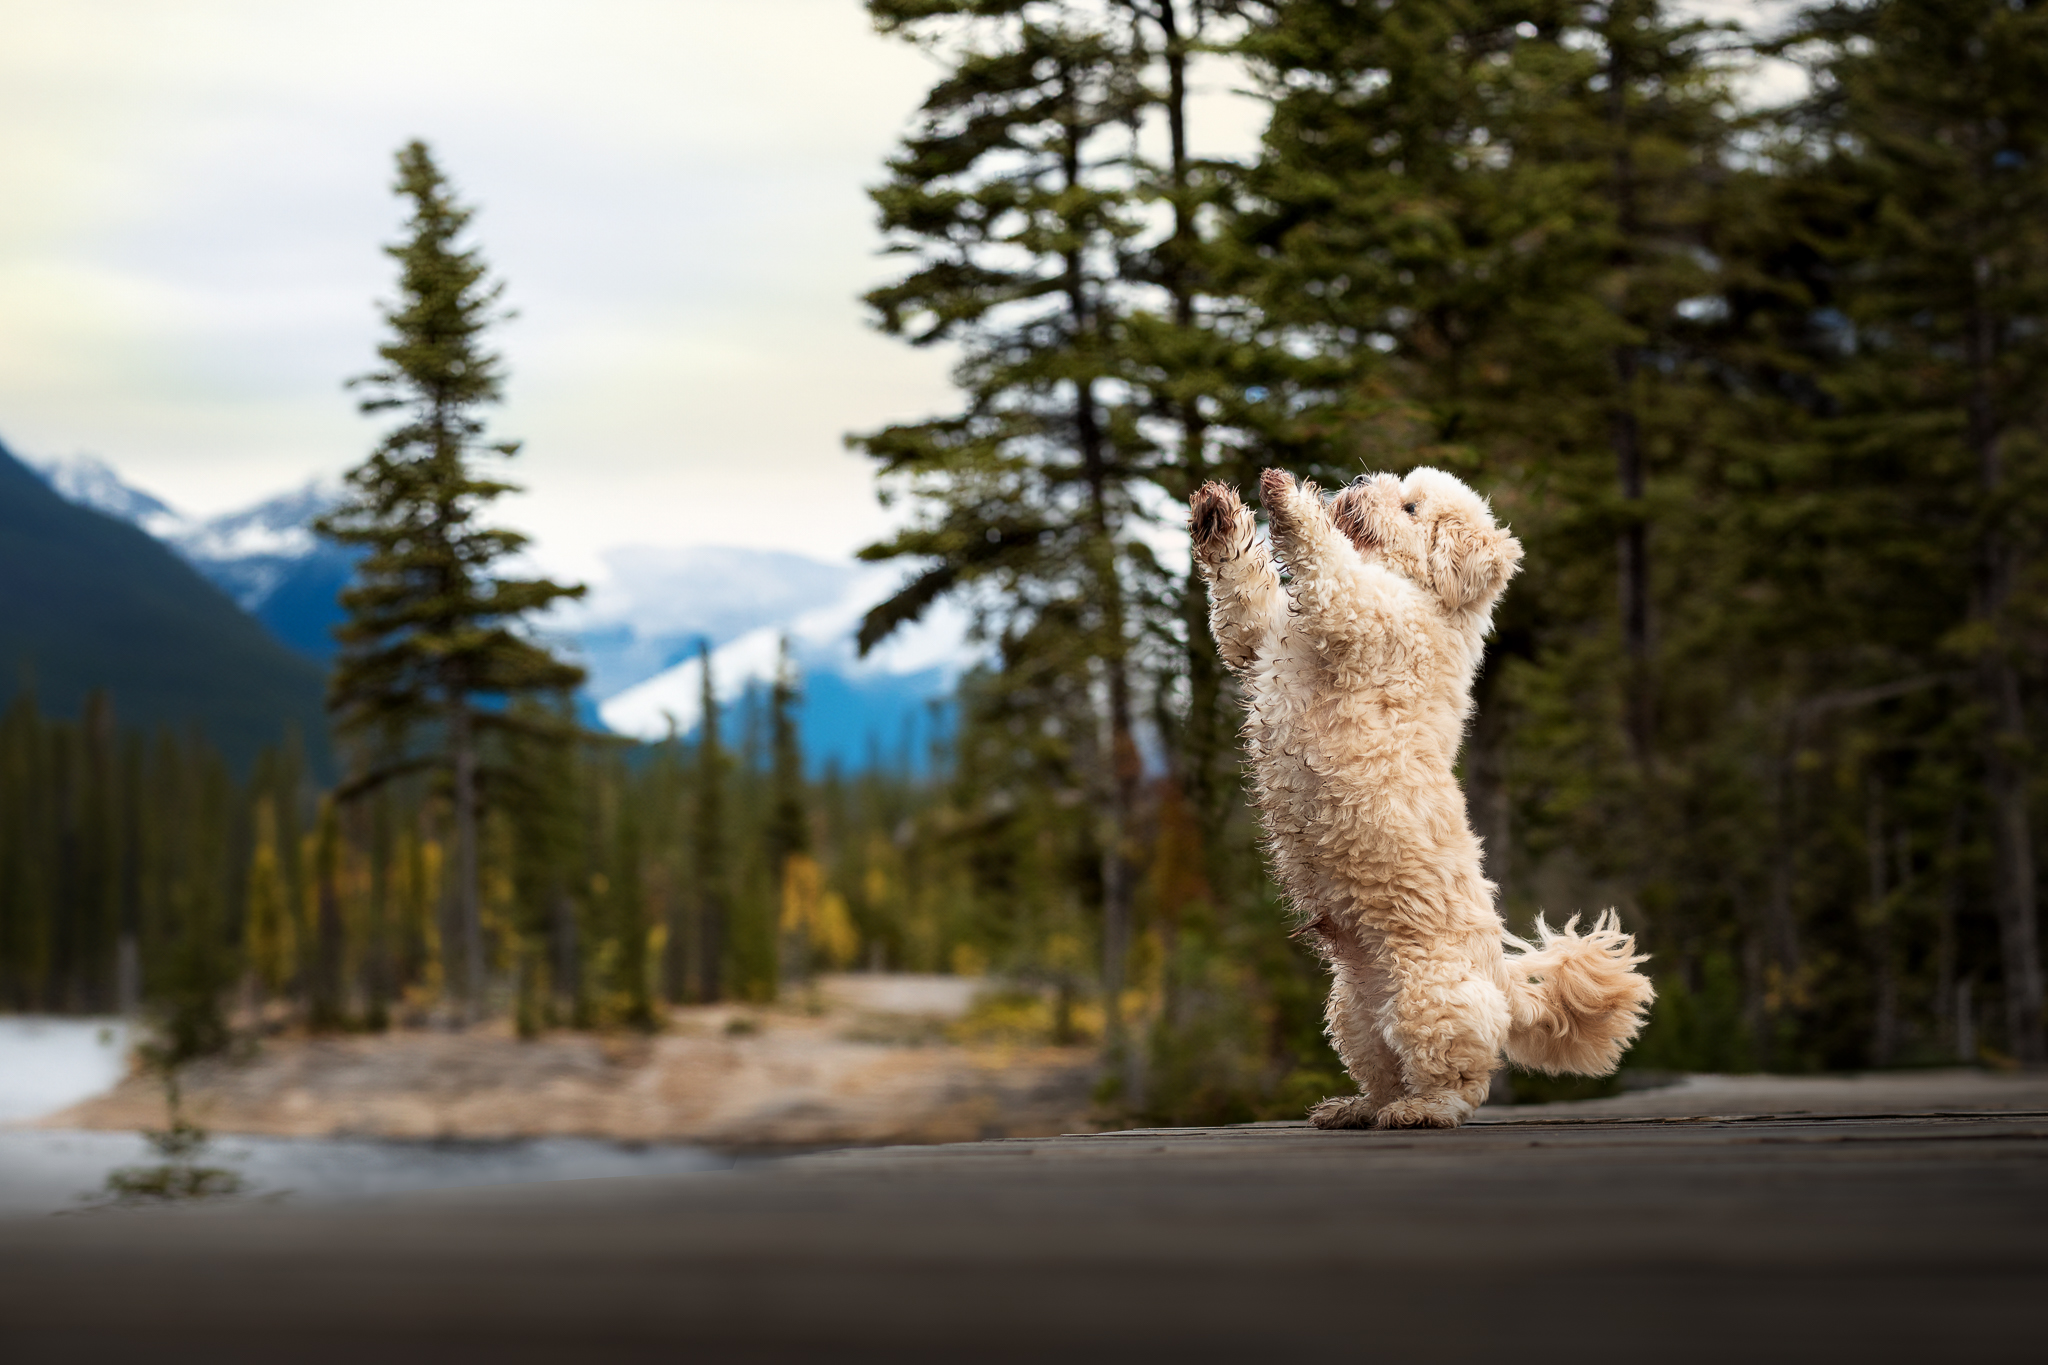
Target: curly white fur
{"x":1357,"y":675}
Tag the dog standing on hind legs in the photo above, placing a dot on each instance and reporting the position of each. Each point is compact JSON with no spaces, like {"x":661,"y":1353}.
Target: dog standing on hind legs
{"x":1357,"y":674}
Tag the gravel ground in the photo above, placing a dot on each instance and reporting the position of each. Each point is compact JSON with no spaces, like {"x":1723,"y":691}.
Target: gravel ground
{"x":864,"y":1061}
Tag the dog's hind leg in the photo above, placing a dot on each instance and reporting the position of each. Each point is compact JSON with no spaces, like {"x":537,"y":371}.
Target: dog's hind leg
{"x":1445,"y":1022}
{"x":1246,"y":602}
{"x":1357,"y":996}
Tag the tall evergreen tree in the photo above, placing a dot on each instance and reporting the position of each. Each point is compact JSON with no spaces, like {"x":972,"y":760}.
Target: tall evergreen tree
{"x":1013,"y":201}
{"x":707,"y":837}
{"x":789,"y":825}
{"x":788,"y":831}
{"x":432,"y":646}
{"x":1182,"y":350}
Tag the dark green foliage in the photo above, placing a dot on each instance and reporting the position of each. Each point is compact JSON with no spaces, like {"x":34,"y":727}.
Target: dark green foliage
{"x":432,"y":623}
{"x":118,"y":875}
{"x":1718,"y":373}
{"x":1938,"y":116}
{"x":64,"y":841}
{"x":1756,"y":389}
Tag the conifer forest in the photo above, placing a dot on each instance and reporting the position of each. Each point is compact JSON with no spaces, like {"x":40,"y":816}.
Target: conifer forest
{"x":1761,"y":386}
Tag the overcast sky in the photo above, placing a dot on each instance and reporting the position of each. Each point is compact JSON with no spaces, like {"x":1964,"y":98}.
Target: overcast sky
{"x":192,"y":197}
{"x":195,"y":195}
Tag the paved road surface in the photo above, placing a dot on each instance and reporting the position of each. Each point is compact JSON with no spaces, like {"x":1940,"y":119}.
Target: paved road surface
{"x":1567,"y":1233}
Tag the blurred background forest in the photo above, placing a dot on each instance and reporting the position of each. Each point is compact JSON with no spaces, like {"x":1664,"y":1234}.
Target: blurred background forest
{"x":1761,"y":387}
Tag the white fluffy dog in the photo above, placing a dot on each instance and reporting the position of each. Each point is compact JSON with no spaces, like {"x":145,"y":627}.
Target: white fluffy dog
{"x":1357,"y":673}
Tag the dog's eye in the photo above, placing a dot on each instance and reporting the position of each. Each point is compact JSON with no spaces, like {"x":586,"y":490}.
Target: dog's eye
{"x":1409,"y":508}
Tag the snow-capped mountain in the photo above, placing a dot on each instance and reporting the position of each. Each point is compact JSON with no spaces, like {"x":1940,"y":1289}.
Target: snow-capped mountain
{"x":816,"y":607}
{"x":639,"y":632}
{"x":92,"y":482}
{"x":265,"y":557}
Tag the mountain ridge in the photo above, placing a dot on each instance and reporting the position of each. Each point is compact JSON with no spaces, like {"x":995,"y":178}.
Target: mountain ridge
{"x":94,"y":601}
{"x":639,"y":633}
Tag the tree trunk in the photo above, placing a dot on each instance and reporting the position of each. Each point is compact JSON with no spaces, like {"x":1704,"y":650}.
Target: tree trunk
{"x":1204,"y":738}
{"x":377,"y":954}
{"x":328,"y":947}
{"x":1945,"y":993}
{"x":1124,"y":769}
{"x":710,"y":838}
{"x":1118,"y":877}
{"x":678,"y":915}
{"x":1632,"y":554}
{"x":2013,"y":865}
{"x":1781,"y":929}
{"x":469,"y":944}
{"x":1625,"y":435}
{"x":568,"y":969}
{"x":1998,"y":687}
{"x":1486,"y":783}
{"x":1877,"y":938}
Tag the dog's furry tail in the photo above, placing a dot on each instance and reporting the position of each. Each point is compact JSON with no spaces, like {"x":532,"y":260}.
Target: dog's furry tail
{"x":1577,"y":1000}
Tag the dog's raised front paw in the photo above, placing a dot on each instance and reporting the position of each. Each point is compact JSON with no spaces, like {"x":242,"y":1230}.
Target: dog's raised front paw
{"x":1276,"y":488}
{"x":1343,"y":1111}
{"x":1215,"y":521}
{"x":1433,"y":1111}
{"x":1291,"y":508}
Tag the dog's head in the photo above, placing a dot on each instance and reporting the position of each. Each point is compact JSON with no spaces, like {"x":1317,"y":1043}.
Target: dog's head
{"x":1432,"y":530}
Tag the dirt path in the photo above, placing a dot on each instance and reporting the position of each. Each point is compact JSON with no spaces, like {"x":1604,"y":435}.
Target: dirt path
{"x":870,"y":1065}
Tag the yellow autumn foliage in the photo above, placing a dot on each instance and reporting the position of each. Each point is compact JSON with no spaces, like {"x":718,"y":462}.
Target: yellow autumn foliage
{"x":817,"y":914}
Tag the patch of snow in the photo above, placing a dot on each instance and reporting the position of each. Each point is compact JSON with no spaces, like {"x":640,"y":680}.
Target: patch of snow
{"x":49,"y":1063}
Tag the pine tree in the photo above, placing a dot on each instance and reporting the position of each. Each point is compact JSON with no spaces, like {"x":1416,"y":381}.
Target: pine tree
{"x":269,"y":924}
{"x":1012,"y":200}
{"x":788,"y":832}
{"x":708,"y":835}
{"x":432,"y":647}
{"x":325,"y":987}
{"x":1183,"y":351}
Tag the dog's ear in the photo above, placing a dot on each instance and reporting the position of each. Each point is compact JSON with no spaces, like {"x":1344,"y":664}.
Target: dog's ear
{"x":1471,"y":559}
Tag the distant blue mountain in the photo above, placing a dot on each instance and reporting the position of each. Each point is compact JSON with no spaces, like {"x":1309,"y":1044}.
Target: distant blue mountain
{"x":639,"y":633}
{"x":303,"y":607}
{"x":888,"y":720}
{"x":644,"y":627}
